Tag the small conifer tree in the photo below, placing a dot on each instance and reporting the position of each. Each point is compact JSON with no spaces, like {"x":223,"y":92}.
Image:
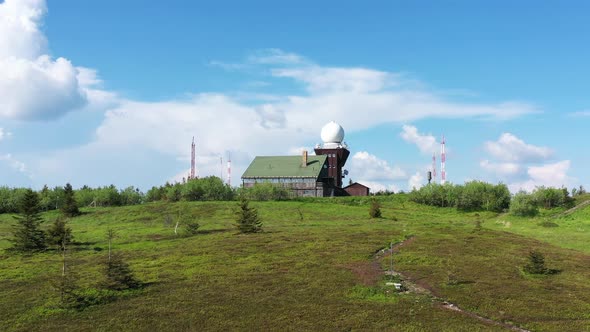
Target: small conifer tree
{"x":70,"y":206}
{"x":248,"y":220}
{"x":375,"y":209}
{"x":192,"y":227}
{"x":28,"y":237}
{"x":118,"y":275}
{"x":59,"y":234}
{"x":67,"y":287}
{"x":536,"y":264}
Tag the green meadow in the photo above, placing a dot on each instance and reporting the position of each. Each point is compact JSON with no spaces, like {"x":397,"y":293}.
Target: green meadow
{"x":313,"y":268}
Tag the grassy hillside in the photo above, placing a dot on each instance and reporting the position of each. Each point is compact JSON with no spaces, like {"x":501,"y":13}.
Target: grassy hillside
{"x":568,"y":231}
{"x":313,"y":268}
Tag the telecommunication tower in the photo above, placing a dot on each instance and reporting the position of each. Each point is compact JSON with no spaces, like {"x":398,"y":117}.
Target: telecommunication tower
{"x":229,"y":169}
{"x":434,"y":167}
{"x":443,"y":159}
{"x":193,"y":163}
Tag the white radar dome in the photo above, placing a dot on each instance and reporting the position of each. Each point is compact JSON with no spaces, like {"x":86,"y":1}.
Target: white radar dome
{"x":332,"y":133}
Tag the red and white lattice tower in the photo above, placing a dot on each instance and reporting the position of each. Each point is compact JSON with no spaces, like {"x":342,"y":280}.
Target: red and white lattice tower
{"x":443,"y":159}
{"x":228,"y":169}
{"x":434,"y":167}
{"x":193,"y":163}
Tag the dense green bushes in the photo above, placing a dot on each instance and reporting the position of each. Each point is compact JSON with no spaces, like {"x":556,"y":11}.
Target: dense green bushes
{"x":527,"y":205}
{"x":210,"y":188}
{"x":265,"y":192}
{"x":472,"y":196}
{"x":524,"y":205}
{"x":108,"y":196}
{"x":10,"y":199}
{"x":482,"y":196}
{"x":549,"y":198}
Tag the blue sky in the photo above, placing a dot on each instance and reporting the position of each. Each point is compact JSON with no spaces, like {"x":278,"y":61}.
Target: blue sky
{"x":112,"y":91}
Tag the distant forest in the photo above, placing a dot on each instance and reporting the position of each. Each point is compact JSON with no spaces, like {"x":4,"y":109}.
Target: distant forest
{"x":209,"y":188}
{"x":471,"y":196}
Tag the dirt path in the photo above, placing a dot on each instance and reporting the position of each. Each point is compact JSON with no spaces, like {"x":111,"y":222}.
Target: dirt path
{"x":415,"y":286}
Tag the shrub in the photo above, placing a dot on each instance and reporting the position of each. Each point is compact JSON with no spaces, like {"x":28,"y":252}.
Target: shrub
{"x":174,"y":193}
{"x":155,"y":194}
{"x":265,"y":192}
{"x":548,"y":224}
{"x":375,"y":209}
{"x":472,"y":196}
{"x":131,"y":196}
{"x":210,"y":188}
{"x":67,"y":287}
{"x":192,"y":228}
{"x":523,"y":205}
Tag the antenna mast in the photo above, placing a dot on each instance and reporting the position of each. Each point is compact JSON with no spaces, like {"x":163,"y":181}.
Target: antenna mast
{"x":192,"y":175}
{"x":434,"y":167}
{"x":229,"y":169}
{"x":443,"y":159}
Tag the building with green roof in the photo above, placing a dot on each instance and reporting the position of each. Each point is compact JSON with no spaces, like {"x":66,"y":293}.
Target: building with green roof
{"x":303,"y":175}
{"x":311,"y":176}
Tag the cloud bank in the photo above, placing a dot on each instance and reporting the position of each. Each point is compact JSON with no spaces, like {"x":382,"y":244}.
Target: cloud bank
{"x":154,"y":137}
{"x":512,"y":149}
{"x":427,"y":144}
{"x":33,"y":86}
{"x":524,"y":166}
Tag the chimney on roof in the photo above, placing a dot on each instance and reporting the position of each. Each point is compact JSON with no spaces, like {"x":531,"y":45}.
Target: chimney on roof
{"x":304,"y":160}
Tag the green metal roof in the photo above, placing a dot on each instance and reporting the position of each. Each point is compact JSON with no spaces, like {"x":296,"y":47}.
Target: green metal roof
{"x":285,"y":167}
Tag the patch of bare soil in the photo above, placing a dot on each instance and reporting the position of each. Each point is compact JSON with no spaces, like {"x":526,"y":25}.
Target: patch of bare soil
{"x":366,"y":273}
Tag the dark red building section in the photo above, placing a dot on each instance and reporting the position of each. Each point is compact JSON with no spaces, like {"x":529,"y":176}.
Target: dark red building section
{"x":336,"y":159}
{"x":357,"y":189}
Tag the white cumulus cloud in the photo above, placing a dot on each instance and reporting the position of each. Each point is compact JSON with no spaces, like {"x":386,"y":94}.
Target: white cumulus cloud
{"x":416,"y":181}
{"x":502,"y":169}
{"x":426,"y":143}
{"x":368,"y":167}
{"x":513,"y":149}
{"x":524,"y":166}
{"x":549,"y":175}
{"x":33,"y":85}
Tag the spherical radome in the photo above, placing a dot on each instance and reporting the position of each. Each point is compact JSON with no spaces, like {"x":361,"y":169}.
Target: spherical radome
{"x":332,"y":133}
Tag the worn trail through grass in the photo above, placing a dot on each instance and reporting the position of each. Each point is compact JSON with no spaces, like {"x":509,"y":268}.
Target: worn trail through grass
{"x":414,"y":287}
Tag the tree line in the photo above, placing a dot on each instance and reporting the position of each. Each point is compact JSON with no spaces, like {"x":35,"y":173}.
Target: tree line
{"x":55,"y":198}
{"x":471,"y":196}
{"x":482,"y":196}
{"x":210,"y":188}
